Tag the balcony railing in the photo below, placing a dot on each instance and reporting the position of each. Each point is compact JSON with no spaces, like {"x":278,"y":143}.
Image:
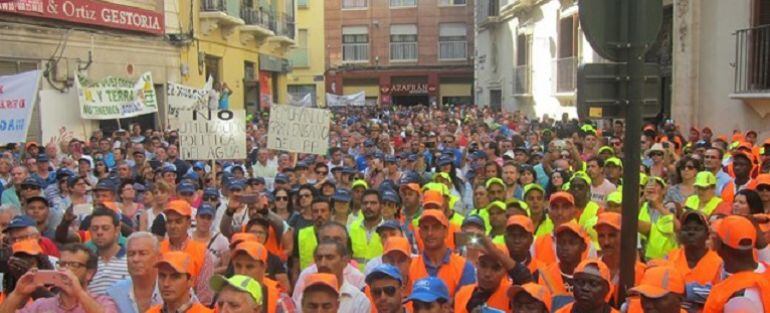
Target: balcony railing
{"x":403,"y":51}
{"x":521,"y":84}
{"x":566,"y":74}
{"x":257,"y":17}
{"x":355,"y":52}
{"x":452,"y":50}
{"x":752,"y":60}
{"x":284,"y":25}
{"x":213,"y":5}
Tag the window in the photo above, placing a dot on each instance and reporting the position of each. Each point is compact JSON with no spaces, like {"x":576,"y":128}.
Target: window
{"x":451,"y":2}
{"x":302,"y":3}
{"x":249,"y":72}
{"x":212,"y":65}
{"x":403,"y":42}
{"x":452,"y":42}
{"x":354,"y":4}
{"x":355,"y":44}
{"x":403,"y":3}
{"x":567,"y":52}
{"x":299,"y":92}
{"x":299,"y":56}
{"x":522,"y":69}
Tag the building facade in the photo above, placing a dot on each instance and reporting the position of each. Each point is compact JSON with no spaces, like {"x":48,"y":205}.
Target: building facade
{"x":307,"y":58}
{"x":402,"y":52}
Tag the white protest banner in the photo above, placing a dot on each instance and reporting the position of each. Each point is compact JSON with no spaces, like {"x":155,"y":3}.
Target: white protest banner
{"x":305,"y":102}
{"x":18,"y":94}
{"x":114,"y":97}
{"x":58,"y":124}
{"x":297,"y":129}
{"x":181,"y":97}
{"x":212,"y":134}
{"x":356,"y":99}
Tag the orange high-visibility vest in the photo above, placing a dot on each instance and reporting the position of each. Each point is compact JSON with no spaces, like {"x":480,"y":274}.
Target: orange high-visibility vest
{"x":706,"y":271}
{"x":723,"y":292}
{"x":450,"y":273}
{"x":272,"y":294}
{"x":544,"y":249}
{"x":195,"y":308}
{"x":196,"y":250}
{"x":550,"y":277}
{"x":639,"y":268}
{"x":498,"y":300}
{"x":728,"y":191}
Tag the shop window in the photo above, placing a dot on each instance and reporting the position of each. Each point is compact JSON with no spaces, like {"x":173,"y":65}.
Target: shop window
{"x":355,"y":44}
{"x":452,"y":41}
{"x":403,"y":42}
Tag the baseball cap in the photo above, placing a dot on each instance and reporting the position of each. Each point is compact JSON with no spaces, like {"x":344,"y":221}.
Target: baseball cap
{"x":697,"y":214}
{"x":390,"y":158}
{"x":390,"y":196}
{"x":205,"y":209}
{"x":429,"y":289}
{"x":342,"y":195}
{"x":499,"y":246}
{"x":572,"y":226}
{"x":27,"y":246}
{"x":605,"y":149}
{"x":494,"y":180}
{"x":104,"y":184}
{"x":359,"y":183}
{"x":435,"y":214}
{"x":521,"y":221}
{"x":200,"y":165}
{"x":348,"y":170}
{"x":32,"y":181}
{"x":615,"y":197}
{"x":581,"y":175}
{"x":193,"y":176}
{"x":539,"y":292}
{"x":20,"y":221}
{"x":563,"y":196}
{"x":168,"y":168}
{"x":496,"y":204}
{"x":210,"y":192}
{"x":388,"y":224}
{"x":611,"y":219}
{"x":658,"y":281}
{"x":530,"y":187}
{"x":613,"y":161}
{"x":323,"y":279}
{"x":253,"y":249}
{"x":432,"y":197}
{"x":474,"y":220}
{"x":180,"y":261}
{"x":705,"y":179}
{"x":763,"y":179}
{"x":240,"y":282}
{"x":39,"y":198}
{"x":400,"y":244}
{"x":384,"y":270}
{"x":236,"y":184}
{"x":594,"y":266}
{"x":737,"y":232}
{"x":30,"y":144}
{"x":412,"y":186}
{"x":281,"y":178}
{"x":179,"y":206}
{"x":185,"y":188}
{"x":241,"y":237}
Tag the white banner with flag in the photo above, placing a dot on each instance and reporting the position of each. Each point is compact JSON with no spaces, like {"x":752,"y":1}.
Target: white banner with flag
{"x":115,"y":97}
{"x":356,"y":99}
{"x":18,"y":94}
{"x":186,"y":98}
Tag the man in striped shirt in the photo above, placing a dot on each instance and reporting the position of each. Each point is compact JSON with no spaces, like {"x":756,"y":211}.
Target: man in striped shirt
{"x":105,"y":231}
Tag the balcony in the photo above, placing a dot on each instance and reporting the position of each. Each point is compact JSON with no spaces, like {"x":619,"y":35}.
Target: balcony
{"x":258,"y":24}
{"x":521,"y":83}
{"x":219,"y":14}
{"x":455,"y":50}
{"x":566,"y":76}
{"x":487,"y":12}
{"x":355,"y":52}
{"x":403,"y":52}
{"x":283,"y":26}
{"x":752,"y":67}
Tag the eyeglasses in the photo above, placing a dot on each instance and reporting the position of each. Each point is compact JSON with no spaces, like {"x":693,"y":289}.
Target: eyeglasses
{"x":689,"y":167}
{"x":281,"y":198}
{"x":210,"y":198}
{"x":70,"y":265}
{"x":389,"y":291}
{"x":29,"y":187}
{"x":617,"y":143}
{"x":321,"y":172}
{"x":656,"y":153}
{"x":305,"y":195}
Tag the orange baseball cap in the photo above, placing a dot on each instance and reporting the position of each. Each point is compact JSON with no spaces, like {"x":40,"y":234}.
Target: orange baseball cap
{"x":522,"y":221}
{"x":412,"y":186}
{"x":697,"y":214}
{"x":539,"y":292}
{"x":180,"y":261}
{"x":658,"y":281}
{"x":241,"y":237}
{"x":28,"y":246}
{"x":737,"y":232}
{"x":435,"y":214}
{"x":562,"y":195}
{"x":253,"y":249}
{"x":432,"y":197}
{"x":498,"y":246}
{"x":763,"y":179}
{"x":611,"y":219}
{"x":399,"y":244}
{"x":596,"y":267}
{"x":179,"y":206}
{"x":323,"y":279}
{"x":572,"y":226}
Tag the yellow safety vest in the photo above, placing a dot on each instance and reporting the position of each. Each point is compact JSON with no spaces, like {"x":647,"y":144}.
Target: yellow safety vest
{"x":662,"y":238}
{"x":693,"y":202}
{"x":307,"y":243}
{"x":363,"y":249}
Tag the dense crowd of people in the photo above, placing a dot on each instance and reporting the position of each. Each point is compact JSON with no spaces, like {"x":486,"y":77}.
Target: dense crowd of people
{"x":413,"y":209}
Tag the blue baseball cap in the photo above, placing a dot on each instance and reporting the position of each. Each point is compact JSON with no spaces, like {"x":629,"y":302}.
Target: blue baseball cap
{"x":63,"y":173}
{"x":191,"y":176}
{"x":474,"y":220}
{"x":210,"y":192}
{"x":368,"y":143}
{"x":236,"y":184}
{"x":342,"y":195}
{"x":205,"y":209}
{"x":105,"y":184}
{"x":199,"y":165}
{"x":185,"y":188}
{"x":390,"y":159}
{"x":42,"y":158}
{"x":20,"y":221}
{"x":168,"y":168}
{"x":281,"y":178}
{"x":444,"y":160}
{"x":348,"y":170}
{"x":256,"y":180}
{"x":389,"y":224}
{"x":388,"y":195}
{"x":429,"y":289}
{"x":382,"y":271}
{"x":410,"y":178}
{"x":32,"y":181}
{"x":411,"y":157}
{"x":479,"y":154}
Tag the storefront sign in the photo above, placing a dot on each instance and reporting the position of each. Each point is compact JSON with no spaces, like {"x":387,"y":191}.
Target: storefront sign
{"x":18,"y":94}
{"x":114,"y":97}
{"x":356,"y":99}
{"x":90,"y":12}
{"x":186,"y":98}
{"x":297,"y":129}
{"x":212,"y":134}
{"x":409,"y":89}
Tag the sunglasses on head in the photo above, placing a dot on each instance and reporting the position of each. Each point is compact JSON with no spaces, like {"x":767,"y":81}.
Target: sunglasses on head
{"x":388,"y":290}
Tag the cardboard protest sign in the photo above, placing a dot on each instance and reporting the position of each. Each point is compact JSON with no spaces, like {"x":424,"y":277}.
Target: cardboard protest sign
{"x":298,"y":129}
{"x":181,"y":97}
{"x":114,"y":97}
{"x":18,"y":94}
{"x":212,"y":134}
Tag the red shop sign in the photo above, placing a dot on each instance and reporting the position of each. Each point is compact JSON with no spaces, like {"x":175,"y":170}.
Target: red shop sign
{"x":91,"y":13}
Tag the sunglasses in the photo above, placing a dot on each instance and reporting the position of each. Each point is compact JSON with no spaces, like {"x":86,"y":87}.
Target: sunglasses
{"x":321,"y":172}
{"x":656,"y":154}
{"x":763,"y":188}
{"x":689,"y":167}
{"x":281,"y":198}
{"x":210,"y":198}
{"x":305,"y":195}
{"x":28,"y":187}
{"x":389,"y":291}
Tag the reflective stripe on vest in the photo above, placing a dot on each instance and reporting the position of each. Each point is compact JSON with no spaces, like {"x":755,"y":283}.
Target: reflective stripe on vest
{"x":307,"y":243}
{"x":363,"y":249}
